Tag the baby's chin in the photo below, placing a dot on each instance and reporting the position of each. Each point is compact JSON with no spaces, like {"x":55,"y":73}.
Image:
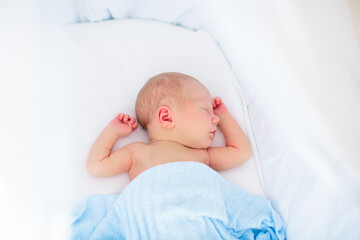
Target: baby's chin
{"x":203,"y":145}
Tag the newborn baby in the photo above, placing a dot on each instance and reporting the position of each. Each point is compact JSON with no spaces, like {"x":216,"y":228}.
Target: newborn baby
{"x":181,"y":118}
{"x":184,"y":198}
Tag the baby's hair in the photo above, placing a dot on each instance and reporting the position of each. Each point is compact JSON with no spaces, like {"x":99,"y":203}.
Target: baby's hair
{"x":163,"y":89}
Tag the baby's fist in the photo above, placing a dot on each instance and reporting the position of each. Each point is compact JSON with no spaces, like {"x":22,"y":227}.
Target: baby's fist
{"x":124,"y":124}
{"x":219,"y":107}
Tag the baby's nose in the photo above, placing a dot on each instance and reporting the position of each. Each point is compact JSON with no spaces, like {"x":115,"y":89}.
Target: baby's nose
{"x":215,"y":119}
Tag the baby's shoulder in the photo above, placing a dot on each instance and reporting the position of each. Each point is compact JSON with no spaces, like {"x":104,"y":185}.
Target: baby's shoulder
{"x":137,"y":146}
{"x":137,"y":149}
{"x":141,"y":148}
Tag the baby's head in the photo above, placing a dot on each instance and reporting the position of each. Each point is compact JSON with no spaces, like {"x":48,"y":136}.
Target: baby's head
{"x":176,"y":107}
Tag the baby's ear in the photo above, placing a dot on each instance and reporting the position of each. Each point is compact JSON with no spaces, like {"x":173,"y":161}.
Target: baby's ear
{"x":164,"y":116}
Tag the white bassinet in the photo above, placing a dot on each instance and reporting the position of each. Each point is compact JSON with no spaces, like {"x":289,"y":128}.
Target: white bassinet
{"x":289,"y":73}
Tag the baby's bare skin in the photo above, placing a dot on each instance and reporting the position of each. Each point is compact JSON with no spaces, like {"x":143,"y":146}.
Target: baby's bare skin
{"x":154,"y":153}
{"x":176,"y":134}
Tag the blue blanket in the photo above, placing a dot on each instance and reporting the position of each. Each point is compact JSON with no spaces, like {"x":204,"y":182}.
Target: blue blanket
{"x":181,"y":200}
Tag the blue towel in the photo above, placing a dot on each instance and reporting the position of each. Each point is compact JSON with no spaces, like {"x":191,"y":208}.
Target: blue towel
{"x":180,"y":200}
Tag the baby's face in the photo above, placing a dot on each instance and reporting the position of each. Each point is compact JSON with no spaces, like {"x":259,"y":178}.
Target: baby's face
{"x":196,"y":122}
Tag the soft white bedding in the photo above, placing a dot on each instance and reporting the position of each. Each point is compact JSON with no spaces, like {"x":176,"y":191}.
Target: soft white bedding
{"x":298,"y":63}
{"x":110,"y":61}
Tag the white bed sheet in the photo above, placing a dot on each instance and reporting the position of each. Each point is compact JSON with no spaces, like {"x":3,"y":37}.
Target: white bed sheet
{"x":298,"y":63}
{"x":110,"y":61}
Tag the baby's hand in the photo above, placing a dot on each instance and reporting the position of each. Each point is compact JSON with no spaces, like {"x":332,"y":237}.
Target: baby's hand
{"x":124,"y":125}
{"x":219,"y":107}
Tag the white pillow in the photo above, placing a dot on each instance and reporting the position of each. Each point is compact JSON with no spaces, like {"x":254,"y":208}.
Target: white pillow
{"x":108,"y":63}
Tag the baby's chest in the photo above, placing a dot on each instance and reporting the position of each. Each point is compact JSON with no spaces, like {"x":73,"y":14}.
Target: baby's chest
{"x":147,"y":159}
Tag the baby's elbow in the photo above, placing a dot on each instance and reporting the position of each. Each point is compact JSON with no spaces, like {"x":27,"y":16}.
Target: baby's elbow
{"x":245,"y":154}
{"x":249,"y":153}
{"x":89,"y":169}
{"x":92,"y":169}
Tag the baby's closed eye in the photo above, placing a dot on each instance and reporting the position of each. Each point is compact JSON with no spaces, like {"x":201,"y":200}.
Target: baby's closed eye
{"x":207,"y":109}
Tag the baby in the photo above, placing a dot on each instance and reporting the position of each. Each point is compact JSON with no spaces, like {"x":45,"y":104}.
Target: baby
{"x":181,"y":118}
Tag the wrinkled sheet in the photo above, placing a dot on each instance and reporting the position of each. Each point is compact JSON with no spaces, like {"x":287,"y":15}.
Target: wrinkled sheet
{"x":181,"y":200}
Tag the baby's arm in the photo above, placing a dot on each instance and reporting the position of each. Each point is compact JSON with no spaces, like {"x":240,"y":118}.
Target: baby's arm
{"x":101,"y":162}
{"x":237,"y":149}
